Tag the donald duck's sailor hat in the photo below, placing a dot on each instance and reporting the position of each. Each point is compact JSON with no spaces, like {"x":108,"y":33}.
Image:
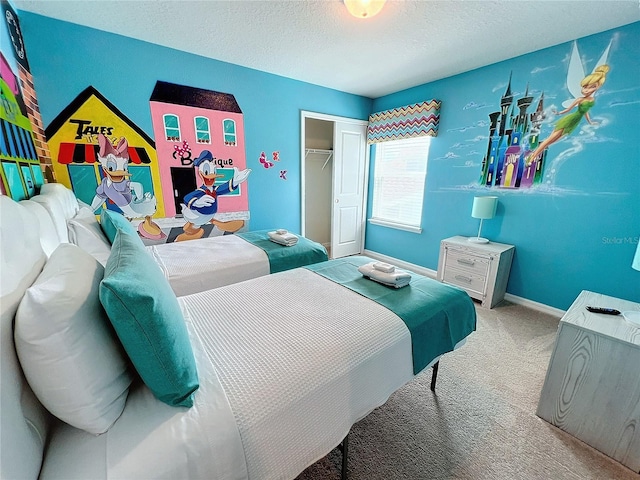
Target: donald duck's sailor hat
{"x":204,"y":155}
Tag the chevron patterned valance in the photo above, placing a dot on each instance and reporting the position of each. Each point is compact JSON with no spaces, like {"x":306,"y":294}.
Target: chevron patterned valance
{"x":415,"y":120}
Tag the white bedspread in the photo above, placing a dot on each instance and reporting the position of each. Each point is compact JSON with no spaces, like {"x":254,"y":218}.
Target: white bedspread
{"x":195,"y":266}
{"x":287,"y":363}
{"x":301,"y":359}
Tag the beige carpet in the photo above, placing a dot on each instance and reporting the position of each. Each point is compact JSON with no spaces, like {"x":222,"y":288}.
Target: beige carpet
{"x":481,"y":423}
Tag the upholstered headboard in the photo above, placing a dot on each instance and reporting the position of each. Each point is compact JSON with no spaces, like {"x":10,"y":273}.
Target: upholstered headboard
{"x":61,"y":204}
{"x":23,"y":420}
{"x":49,"y":236}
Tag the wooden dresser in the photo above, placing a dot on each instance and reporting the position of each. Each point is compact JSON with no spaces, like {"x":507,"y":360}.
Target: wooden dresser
{"x":592,"y":387}
{"x":482,"y":269}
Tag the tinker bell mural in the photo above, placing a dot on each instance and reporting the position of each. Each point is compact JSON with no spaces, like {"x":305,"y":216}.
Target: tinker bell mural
{"x":515,"y":156}
{"x":116,"y":187}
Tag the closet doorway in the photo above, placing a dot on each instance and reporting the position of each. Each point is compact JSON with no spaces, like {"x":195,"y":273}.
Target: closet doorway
{"x":334,"y":170}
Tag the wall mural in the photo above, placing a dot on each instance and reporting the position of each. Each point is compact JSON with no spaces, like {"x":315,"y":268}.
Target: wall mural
{"x":192,"y":180}
{"x":201,"y":154}
{"x":201,"y":205}
{"x":107,"y":160}
{"x":119,"y":192}
{"x":22,"y":142}
{"x":516,"y":157}
{"x":538,"y":119}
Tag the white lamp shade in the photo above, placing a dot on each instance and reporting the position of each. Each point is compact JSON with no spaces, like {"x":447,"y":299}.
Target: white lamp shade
{"x":484,"y":207}
{"x":364,"y":8}
{"x":636,"y":259}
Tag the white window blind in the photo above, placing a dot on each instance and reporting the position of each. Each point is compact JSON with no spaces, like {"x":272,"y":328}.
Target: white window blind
{"x":399,"y":178}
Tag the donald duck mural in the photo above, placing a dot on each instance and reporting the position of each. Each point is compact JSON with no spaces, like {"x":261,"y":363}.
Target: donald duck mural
{"x":116,"y":187}
{"x":201,"y":205}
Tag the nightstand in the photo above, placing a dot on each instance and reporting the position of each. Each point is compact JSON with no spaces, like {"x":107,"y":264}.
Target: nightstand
{"x":482,"y":269}
{"x":592,"y":386}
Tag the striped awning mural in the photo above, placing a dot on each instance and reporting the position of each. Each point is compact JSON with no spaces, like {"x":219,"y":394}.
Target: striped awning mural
{"x":87,"y":153}
{"x":415,"y":120}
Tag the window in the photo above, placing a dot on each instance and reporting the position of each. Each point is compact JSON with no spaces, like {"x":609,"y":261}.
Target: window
{"x":229,"y":131}
{"x":399,"y":178}
{"x":203,"y":134}
{"x":171,"y":127}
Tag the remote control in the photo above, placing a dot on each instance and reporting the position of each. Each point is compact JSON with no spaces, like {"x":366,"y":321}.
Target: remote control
{"x":606,"y":311}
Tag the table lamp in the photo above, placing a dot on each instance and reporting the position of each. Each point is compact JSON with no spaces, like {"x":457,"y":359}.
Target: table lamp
{"x":484,"y":208}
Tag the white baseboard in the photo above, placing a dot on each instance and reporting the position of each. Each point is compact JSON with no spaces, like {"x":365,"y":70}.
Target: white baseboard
{"x":427,"y":272}
{"x":540,"y":307}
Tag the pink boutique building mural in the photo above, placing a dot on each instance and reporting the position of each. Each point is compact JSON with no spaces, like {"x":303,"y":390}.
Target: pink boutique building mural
{"x":187,"y":122}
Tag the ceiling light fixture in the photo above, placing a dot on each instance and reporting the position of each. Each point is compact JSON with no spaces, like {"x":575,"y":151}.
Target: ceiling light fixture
{"x":364,"y":8}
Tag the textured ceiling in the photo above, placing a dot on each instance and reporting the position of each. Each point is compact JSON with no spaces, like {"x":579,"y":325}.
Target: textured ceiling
{"x":409,"y":43}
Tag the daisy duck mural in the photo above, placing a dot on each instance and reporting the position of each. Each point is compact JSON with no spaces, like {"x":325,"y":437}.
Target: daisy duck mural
{"x":201,"y":205}
{"x":516,"y":156}
{"x":116,"y":187}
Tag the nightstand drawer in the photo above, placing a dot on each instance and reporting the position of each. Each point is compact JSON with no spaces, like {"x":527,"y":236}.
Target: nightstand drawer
{"x":482,"y":269}
{"x":467,"y":261}
{"x":465,"y":279}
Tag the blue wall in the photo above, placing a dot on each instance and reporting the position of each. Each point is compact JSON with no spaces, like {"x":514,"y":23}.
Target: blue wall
{"x":579,"y":232}
{"x":579,"y":229}
{"x":125,"y":71}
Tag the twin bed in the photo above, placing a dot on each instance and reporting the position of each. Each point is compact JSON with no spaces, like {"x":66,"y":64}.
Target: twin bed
{"x":191,"y":266}
{"x":286,"y":362}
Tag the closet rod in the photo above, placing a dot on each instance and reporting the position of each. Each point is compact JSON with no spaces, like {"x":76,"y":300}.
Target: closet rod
{"x":328,"y":153}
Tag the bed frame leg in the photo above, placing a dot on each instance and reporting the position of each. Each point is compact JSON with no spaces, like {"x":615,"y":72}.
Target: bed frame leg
{"x":344,"y":448}
{"x":434,"y":375}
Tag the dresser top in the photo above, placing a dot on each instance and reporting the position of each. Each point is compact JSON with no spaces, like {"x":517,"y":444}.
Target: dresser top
{"x":494,"y":247}
{"x":614,"y":326}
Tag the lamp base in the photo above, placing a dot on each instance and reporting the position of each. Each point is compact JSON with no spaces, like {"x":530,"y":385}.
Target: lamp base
{"x":478,"y":240}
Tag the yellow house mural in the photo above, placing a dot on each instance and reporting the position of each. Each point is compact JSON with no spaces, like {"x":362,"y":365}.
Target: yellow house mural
{"x":73,"y":142}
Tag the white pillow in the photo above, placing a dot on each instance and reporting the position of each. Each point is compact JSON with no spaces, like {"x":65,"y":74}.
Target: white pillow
{"x":66,"y":345}
{"x":85,"y":232}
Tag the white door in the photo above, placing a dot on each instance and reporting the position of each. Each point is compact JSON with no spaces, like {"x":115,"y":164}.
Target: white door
{"x":349,"y":168}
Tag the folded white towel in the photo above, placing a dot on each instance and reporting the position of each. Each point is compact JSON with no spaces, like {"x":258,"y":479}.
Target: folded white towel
{"x":287,"y":239}
{"x":396,"y":278}
{"x":384,"y":267}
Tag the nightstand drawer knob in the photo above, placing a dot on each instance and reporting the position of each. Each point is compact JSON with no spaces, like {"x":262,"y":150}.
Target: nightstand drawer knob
{"x":463,"y":279}
{"x":465,"y":261}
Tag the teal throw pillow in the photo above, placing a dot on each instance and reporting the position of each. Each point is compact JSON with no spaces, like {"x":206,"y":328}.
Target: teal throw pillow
{"x":111,"y":222}
{"x":146,"y":316}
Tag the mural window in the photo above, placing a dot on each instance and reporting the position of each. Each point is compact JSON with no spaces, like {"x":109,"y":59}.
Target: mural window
{"x":14,"y":181}
{"x":38,"y":178}
{"x":203,"y":133}
{"x":399,"y":178}
{"x":229,"y":131}
{"x":83,"y":181}
{"x":28,"y":180}
{"x":171,"y":127}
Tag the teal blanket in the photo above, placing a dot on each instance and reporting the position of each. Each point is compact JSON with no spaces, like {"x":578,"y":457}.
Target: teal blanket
{"x":438,"y":316}
{"x":282,"y":258}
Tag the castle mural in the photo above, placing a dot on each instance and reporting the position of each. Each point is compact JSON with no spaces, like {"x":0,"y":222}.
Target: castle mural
{"x":513,"y":136}
{"x":516,"y":156}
